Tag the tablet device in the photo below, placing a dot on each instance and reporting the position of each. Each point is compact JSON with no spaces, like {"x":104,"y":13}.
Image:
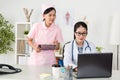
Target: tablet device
{"x":47,"y":47}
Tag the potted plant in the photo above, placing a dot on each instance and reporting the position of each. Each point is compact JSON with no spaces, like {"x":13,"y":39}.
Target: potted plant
{"x":7,"y":36}
{"x":99,"y":49}
{"x":25,"y":33}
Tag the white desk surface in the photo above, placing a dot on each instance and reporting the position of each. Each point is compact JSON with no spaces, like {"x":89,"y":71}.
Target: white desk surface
{"x":33,"y":73}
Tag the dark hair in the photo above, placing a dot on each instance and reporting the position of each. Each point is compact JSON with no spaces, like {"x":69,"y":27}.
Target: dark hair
{"x":78,"y":24}
{"x":48,"y":10}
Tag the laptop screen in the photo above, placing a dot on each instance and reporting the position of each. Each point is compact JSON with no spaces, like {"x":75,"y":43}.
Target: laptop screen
{"x":94,"y":65}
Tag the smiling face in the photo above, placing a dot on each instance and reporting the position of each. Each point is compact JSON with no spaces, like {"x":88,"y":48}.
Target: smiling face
{"x":49,"y":16}
{"x":80,"y":34}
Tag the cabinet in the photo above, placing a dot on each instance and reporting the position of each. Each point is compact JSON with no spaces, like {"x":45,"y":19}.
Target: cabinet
{"x":22,"y":49}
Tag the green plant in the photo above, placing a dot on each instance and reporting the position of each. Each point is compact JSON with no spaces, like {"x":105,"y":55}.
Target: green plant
{"x":26,"y":32}
{"x":7,"y":35}
{"x":99,"y":49}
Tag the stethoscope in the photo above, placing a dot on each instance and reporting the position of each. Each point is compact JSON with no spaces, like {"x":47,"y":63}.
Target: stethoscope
{"x":87,"y":47}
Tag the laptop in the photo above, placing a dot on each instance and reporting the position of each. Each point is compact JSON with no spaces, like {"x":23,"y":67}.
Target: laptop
{"x":94,"y":65}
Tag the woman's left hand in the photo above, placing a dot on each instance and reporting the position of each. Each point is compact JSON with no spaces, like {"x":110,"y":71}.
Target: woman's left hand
{"x":75,"y":69}
{"x":57,"y":45}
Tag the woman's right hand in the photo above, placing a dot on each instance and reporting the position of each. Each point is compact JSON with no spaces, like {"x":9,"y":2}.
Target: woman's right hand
{"x":34,"y":46}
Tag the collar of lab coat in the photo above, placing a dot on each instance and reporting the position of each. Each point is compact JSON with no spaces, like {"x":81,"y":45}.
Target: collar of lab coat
{"x":76,"y":47}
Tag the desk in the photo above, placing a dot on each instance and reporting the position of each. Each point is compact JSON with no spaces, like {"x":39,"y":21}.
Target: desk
{"x":33,"y":73}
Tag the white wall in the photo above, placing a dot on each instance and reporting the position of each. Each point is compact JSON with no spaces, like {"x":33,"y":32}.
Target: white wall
{"x":98,"y":12}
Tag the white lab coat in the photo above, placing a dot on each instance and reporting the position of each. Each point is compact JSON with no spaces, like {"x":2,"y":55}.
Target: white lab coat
{"x":68,"y":52}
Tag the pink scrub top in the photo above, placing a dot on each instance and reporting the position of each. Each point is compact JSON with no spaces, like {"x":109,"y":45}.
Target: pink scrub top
{"x":43,"y":35}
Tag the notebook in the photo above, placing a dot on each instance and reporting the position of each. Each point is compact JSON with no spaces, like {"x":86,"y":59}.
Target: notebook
{"x":94,"y":65}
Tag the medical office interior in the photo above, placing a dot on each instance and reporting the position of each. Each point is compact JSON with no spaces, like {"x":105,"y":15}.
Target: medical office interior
{"x":99,"y":15}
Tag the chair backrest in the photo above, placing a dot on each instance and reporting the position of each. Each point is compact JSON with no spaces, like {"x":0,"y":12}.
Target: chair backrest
{"x":60,"y":60}
{"x":64,"y":47}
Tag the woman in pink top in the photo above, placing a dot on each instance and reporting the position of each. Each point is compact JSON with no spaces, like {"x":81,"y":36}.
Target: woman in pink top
{"x":44,"y":33}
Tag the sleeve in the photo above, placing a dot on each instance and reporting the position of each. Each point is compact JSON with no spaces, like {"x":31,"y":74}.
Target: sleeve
{"x":68,"y":57}
{"x":59,"y":36}
{"x":32,"y":32}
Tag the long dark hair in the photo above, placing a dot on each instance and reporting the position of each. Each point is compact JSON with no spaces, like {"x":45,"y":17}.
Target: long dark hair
{"x":49,"y":10}
{"x":78,"y":24}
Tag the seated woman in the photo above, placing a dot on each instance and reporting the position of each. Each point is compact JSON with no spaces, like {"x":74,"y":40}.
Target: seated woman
{"x":78,"y":46}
